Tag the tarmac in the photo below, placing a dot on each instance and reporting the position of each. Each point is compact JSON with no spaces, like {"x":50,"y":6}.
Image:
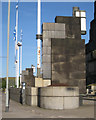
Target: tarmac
{"x":17,"y":110}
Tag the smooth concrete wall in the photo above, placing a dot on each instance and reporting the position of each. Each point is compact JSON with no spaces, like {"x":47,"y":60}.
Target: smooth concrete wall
{"x":46,"y":83}
{"x":48,"y":97}
{"x":31,"y":94}
{"x":59,"y":97}
{"x":39,"y":82}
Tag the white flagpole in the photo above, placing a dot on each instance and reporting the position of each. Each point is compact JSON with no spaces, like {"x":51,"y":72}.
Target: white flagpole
{"x":17,"y":49}
{"x":38,"y":40}
{"x":18,"y":67}
{"x":21,"y":58}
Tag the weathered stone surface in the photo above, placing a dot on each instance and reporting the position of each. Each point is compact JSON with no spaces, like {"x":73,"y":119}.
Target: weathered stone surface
{"x":48,"y":26}
{"x":68,"y":62}
{"x":47,"y":74}
{"x":17,"y":95}
{"x":32,"y":100}
{"x":72,"y":26}
{"x":67,"y":20}
{"x":46,"y":42}
{"x":46,"y":70}
{"x":28,"y":77}
{"x":46,"y":58}
{"x":65,"y":64}
{"x":31,"y":91}
{"x":59,"y":27}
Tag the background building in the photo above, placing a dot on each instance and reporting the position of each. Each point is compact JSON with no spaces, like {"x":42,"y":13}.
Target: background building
{"x":91,"y":52}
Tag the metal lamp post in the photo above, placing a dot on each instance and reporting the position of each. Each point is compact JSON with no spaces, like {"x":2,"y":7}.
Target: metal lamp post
{"x":7,"y":91}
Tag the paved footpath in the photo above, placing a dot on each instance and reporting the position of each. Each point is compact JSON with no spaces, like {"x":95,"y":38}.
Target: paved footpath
{"x":23,"y":111}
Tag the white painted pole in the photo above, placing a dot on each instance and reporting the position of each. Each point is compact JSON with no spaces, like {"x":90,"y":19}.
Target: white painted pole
{"x":21,"y":58}
{"x":20,"y":65}
{"x":7,"y":91}
{"x":39,"y":32}
{"x":15,"y":43}
{"x":17,"y":69}
{"x":16,"y":23}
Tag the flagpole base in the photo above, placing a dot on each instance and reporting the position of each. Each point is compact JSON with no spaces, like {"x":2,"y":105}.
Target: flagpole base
{"x":39,"y":73}
{"x":7,"y":109}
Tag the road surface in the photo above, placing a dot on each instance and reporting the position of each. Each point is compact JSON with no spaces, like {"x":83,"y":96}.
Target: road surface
{"x":23,"y":111}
